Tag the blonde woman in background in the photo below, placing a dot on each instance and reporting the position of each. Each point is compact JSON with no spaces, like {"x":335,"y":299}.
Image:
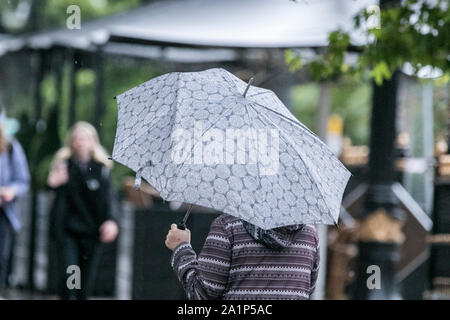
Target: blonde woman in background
{"x":82,"y":218}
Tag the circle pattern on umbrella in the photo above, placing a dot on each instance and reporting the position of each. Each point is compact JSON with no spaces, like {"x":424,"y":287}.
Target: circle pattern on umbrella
{"x":196,"y":139}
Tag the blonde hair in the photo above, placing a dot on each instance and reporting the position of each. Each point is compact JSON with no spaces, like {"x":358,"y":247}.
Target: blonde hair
{"x":98,"y":153}
{"x":4,"y":143}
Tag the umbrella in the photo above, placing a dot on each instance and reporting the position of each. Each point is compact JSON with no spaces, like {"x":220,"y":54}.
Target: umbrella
{"x":208,"y":138}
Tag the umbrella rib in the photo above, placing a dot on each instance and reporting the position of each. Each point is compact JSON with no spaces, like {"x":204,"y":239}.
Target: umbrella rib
{"x":309,"y":174}
{"x":195,"y":143}
{"x":228,"y":79}
{"x":172,"y":119}
{"x":228,"y":76}
{"x":260,"y":93}
{"x":254,"y":139}
{"x":297,"y":123}
{"x":288,"y":139}
{"x":301,"y":125}
{"x":157,"y":185}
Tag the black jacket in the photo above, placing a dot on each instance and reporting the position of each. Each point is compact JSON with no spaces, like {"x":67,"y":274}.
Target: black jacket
{"x":84,"y":202}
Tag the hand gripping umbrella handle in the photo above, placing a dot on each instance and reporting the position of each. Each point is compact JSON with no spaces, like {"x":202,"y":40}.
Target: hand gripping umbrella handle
{"x":182,"y":224}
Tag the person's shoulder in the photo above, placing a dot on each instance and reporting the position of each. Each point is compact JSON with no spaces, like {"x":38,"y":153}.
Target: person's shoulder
{"x":311,"y":231}
{"x":228,"y":223}
{"x":102,"y":167}
{"x":15,"y":149}
{"x":227,"y":220}
{"x":308,"y":233}
{"x":14,"y":144}
{"x":225,"y":226}
{"x":310,"y":228}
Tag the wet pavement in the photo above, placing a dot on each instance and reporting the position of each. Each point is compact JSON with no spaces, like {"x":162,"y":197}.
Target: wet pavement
{"x":22,"y":294}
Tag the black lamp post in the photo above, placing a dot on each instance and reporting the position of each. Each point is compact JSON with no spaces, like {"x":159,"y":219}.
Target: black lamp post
{"x":381,"y":218}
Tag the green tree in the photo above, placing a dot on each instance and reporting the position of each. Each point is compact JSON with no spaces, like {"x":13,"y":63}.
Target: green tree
{"x":22,"y":16}
{"x":416,"y":32}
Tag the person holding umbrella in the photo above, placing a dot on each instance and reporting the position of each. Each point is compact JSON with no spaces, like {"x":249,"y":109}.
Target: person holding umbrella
{"x":241,"y":261}
{"x":210,"y":139}
{"x":81,"y":217}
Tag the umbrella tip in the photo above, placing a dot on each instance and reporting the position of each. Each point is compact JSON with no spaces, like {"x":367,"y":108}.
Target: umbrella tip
{"x":248,"y":85}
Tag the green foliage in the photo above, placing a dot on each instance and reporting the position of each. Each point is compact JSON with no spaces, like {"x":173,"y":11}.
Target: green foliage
{"x":304,"y":103}
{"x":293,"y":60}
{"x":332,"y":60}
{"x":49,"y":14}
{"x":414,"y":32}
{"x":440,"y":106}
{"x":380,"y":71}
{"x":349,"y":99}
{"x":119,"y":75}
{"x":85,"y":103}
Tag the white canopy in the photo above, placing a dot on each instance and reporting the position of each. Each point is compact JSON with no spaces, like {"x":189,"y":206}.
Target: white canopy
{"x":216,"y":23}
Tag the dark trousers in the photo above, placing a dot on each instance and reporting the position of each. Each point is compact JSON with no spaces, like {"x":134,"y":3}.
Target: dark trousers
{"x":83,"y":252}
{"x":6,"y":242}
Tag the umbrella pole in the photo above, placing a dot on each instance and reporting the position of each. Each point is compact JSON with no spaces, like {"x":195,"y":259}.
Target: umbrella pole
{"x":182,"y":224}
{"x":248,"y":86}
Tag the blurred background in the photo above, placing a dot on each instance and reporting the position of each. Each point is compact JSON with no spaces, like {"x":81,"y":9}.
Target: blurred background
{"x":387,"y":119}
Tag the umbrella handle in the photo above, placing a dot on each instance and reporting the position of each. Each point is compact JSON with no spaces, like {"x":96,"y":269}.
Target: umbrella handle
{"x":182,"y":224}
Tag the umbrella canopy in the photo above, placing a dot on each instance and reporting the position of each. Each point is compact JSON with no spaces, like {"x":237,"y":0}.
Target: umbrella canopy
{"x":206,"y":138}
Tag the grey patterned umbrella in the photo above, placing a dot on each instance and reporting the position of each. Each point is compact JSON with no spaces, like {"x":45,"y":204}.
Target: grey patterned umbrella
{"x":209,"y":139}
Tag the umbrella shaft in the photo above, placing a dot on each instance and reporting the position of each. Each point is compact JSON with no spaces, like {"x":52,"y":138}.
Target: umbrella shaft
{"x":186,"y":216}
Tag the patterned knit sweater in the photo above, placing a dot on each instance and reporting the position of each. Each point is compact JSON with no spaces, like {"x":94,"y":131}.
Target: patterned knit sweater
{"x":233,"y":265}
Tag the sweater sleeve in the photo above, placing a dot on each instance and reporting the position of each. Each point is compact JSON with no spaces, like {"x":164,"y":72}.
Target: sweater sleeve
{"x":206,"y":276}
